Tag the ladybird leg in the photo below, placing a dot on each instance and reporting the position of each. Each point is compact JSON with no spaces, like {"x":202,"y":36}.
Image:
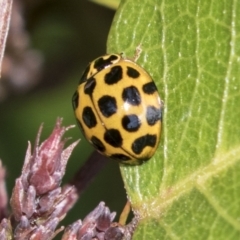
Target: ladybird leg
{"x":125,"y":212}
{"x":138,"y":52}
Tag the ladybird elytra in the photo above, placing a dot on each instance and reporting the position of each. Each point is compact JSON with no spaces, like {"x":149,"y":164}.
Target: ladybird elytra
{"x":118,"y":109}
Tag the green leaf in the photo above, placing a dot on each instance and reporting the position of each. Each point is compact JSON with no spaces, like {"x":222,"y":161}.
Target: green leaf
{"x":190,"y":189}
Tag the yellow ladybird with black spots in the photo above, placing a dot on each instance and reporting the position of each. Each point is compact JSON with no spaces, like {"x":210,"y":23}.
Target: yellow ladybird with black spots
{"x":118,"y":109}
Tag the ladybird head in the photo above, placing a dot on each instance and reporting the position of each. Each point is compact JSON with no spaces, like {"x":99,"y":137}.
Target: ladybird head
{"x":99,"y":64}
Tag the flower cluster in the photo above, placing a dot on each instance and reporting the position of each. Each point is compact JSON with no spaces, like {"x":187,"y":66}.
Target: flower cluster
{"x":39,"y":202}
{"x":96,"y":225}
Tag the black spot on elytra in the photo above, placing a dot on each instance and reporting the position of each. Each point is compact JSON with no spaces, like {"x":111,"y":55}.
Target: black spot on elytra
{"x":149,"y":88}
{"x":102,"y":63}
{"x":113,"y":137}
{"x":153,"y":115}
{"x":75,"y":100}
{"x":131,"y":95}
{"x":140,"y":143}
{"x":131,"y":123}
{"x":90,"y":86}
{"x":97,"y":143}
{"x":114,"y":76}
{"x":107,"y":105}
{"x":120,"y":157}
{"x":132,"y":73}
{"x":84,"y":76}
{"x":89,"y":117}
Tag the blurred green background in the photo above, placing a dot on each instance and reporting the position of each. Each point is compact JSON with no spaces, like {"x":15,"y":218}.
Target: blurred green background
{"x":68,"y":34}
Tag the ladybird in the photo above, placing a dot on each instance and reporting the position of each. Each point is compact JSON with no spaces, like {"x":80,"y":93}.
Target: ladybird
{"x":118,"y":109}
